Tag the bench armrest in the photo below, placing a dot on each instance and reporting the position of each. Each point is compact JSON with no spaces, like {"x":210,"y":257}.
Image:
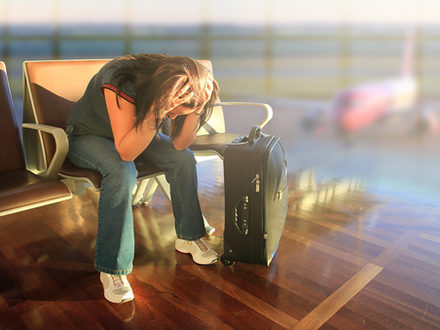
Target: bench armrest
{"x":61,"y":147}
{"x":267,"y":107}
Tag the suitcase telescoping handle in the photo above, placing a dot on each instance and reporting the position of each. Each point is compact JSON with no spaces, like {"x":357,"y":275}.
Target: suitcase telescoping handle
{"x":254,"y":134}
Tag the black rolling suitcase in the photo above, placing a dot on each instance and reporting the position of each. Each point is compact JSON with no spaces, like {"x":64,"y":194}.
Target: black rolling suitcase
{"x":255,"y":183}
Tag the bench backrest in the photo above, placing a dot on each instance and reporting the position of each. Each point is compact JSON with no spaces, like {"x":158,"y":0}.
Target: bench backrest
{"x":51,"y":87}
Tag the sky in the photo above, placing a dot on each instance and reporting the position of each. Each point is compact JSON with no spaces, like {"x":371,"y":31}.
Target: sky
{"x":220,"y":11}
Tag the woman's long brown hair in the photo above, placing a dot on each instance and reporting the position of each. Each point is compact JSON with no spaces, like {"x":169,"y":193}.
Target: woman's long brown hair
{"x":154,"y":77}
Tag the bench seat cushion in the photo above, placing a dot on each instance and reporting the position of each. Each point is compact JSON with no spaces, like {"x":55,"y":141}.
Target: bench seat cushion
{"x":21,"y":188}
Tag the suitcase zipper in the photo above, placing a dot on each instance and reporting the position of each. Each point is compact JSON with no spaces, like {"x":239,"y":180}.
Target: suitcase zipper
{"x":257,"y":182}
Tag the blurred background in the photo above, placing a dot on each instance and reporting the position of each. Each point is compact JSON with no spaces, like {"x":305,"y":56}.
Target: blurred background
{"x":297,"y":55}
{"x":282,"y":48}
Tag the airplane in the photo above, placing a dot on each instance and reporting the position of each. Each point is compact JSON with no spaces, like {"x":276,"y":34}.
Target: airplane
{"x":356,"y":108}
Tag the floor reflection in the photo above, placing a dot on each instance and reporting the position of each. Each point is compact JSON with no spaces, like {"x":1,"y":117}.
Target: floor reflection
{"x":306,"y":192}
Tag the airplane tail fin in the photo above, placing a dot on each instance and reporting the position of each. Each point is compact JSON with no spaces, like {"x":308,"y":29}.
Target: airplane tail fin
{"x":408,"y":55}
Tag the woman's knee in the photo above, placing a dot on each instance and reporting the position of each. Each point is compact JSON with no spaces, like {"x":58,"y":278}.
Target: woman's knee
{"x":121,"y":174}
{"x":186,"y":158}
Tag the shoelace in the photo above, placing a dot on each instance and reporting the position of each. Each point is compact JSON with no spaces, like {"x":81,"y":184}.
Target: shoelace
{"x":202,"y":245}
{"x":117,"y":280}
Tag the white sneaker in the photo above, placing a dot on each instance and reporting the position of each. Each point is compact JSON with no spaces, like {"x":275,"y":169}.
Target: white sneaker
{"x":200,"y":252}
{"x":116,"y":288}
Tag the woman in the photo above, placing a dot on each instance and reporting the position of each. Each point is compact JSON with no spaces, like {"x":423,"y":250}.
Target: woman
{"x":116,"y":122}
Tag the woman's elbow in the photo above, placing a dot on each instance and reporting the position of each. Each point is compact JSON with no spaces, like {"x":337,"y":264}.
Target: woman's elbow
{"x":125,"y":156}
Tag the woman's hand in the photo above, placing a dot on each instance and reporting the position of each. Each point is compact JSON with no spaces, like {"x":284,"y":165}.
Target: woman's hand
{"x":185,"y":96}
{"x":191,"y":124}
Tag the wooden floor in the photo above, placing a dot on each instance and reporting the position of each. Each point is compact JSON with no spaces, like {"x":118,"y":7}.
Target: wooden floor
{"x":347,"y":259}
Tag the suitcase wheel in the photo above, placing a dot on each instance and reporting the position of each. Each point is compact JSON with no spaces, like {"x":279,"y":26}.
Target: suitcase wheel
{"x":225,"y":261}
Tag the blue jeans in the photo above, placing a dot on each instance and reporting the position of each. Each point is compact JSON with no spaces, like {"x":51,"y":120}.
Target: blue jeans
{"x":115,"y":239}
